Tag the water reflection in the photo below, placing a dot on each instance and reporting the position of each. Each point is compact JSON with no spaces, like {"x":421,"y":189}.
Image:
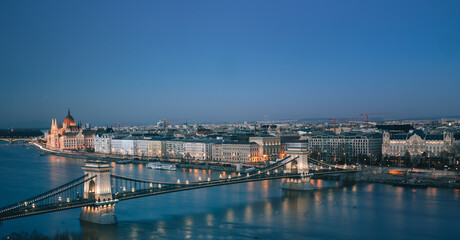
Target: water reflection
{"x":431,"y":192}
{"x":228,"y":220}
{"x":399,"y":197}
{"x":370,"y":188}
{"x":248,"y":213}
{"x":230,"y":216}
{"x":353,"y":189}
{"x":97,"y":231}
{"x":210,"y":220}
{"x":54,"y":173}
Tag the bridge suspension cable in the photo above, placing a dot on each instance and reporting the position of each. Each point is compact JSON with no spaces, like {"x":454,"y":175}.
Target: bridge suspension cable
{"x":128,"y":187}
{"x":66,"y":196}
{"x":278,"y":164}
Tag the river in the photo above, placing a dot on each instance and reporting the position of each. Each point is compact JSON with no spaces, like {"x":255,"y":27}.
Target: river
{"x":242,"y":211}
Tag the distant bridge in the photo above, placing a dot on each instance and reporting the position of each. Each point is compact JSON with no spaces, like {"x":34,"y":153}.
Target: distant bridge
{"x":99,"y":190}
{"x":15,"y":139}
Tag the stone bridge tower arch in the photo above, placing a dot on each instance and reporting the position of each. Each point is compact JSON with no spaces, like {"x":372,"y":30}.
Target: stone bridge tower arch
{"x":300,"y":166}
{"x":100,"y":189}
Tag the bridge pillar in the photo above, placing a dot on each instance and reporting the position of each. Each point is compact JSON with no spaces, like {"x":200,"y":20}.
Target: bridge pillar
{"x":99,"y":189}
{"x":300,"y":166}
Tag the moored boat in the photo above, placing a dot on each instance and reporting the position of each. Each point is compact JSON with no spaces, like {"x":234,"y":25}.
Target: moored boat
{"x":161,"y":166}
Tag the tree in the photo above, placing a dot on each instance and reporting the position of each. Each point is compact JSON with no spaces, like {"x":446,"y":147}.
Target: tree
{"x":424,"y":159}
{"x":408,"y":160}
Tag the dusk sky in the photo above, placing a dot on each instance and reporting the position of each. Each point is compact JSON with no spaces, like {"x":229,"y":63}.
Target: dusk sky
{"x":226,"y":61}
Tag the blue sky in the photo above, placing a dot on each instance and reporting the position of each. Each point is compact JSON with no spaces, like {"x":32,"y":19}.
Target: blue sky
{"x":226,"y":61}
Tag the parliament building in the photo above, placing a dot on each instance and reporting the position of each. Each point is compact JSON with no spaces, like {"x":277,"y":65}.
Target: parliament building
{"x":69,"y":136}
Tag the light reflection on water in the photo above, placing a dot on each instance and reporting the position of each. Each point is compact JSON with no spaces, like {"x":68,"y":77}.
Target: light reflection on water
{"x":240,"y":211}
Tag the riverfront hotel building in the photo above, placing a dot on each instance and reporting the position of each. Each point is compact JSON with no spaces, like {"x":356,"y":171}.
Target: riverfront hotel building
{"x":69,"y":136}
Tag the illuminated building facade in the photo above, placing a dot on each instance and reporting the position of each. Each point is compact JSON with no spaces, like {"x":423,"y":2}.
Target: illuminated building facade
{"x":103,"y":143}
{"x":198,"y":149}
{"x":123,"y":146}
{"x":348,"y":148}
{"x":157,"y":148}
{"x":175,"y":148}
{"x":236,"y":152}
{"x":142,"y":147}
{"x":415,"y":143}
{"x":270,"y":147}
{"x":69,"y":136}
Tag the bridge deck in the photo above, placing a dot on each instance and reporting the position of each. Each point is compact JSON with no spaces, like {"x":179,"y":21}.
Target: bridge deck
{"x":29,"y":211}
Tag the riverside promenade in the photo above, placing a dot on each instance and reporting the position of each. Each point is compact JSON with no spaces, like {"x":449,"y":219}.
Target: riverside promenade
{"x":181,"y":163}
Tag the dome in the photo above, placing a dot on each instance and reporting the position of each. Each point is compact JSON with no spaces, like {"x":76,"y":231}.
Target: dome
{"x":68,"y":120}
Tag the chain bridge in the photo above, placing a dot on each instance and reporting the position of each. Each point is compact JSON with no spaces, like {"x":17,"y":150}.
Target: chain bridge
{"x":98,"y":190}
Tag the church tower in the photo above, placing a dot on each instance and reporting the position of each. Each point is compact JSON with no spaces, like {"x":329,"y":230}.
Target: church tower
{"x":53,"y":136}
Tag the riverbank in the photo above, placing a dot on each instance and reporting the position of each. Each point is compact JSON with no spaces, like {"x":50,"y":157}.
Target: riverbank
{"x":410,"y":177}
{"x":180,"y":163}
{"x":406,"y":177}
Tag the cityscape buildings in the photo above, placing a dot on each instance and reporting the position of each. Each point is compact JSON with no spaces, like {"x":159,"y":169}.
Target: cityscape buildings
{"x":406,"y":144}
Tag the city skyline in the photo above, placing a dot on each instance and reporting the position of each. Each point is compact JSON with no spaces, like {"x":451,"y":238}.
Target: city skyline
{"x":227,"y":62}
{"x":266,"y":120}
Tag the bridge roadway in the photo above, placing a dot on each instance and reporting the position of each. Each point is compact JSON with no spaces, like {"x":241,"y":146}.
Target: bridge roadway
{"x":28,"y":207}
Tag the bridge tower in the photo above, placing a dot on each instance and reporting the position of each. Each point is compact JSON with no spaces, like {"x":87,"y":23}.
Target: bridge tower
{"x":300,"y":166}
{"x":99,"y":188}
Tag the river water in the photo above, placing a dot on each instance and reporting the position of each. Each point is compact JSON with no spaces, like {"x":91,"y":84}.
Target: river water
{"x":241,"y":211}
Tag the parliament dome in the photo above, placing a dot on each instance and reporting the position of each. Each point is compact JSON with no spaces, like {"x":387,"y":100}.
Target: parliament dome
{"x":68,"y":120}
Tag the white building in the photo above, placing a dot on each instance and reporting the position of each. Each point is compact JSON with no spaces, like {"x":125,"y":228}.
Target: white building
{"x":142,"y":147}
{"x":175,"y":148}
{"x":103,"y":143}
{"x":157,"y":148}
{"x":123,"y":146}
{"x":198,"y":149}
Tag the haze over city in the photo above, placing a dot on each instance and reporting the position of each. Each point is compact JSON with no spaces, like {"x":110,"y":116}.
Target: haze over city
{"x":232,"y":61}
